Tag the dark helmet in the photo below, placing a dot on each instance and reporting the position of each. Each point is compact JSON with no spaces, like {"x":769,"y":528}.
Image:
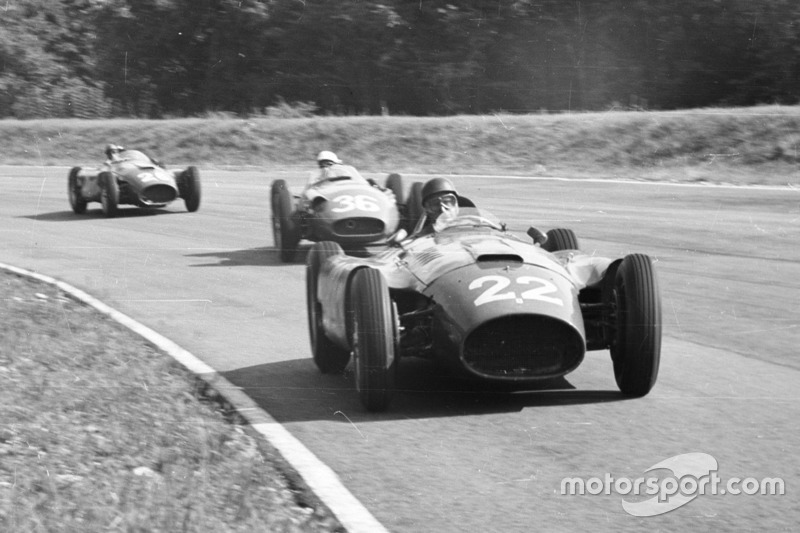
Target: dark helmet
{"x":437,"y":186}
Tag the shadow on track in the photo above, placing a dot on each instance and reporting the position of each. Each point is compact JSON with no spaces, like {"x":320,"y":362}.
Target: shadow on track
{"x":295,"y":390}
{"x":97,"y":214}
{"x":262,"y":256}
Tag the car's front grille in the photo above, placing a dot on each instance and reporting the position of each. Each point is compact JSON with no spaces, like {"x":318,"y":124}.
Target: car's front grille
{"x":158,"y":194}
{"x":523,"y":346}
{"x":351,"y":227}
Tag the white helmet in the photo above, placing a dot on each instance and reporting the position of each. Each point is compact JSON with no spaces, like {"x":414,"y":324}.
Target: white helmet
{"x":325,"y":155}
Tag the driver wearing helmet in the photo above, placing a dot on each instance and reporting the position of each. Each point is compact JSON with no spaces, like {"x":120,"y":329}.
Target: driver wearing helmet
{"x":112,"y":152}
{"x":439,"y":201}
{"x":326,"y":161}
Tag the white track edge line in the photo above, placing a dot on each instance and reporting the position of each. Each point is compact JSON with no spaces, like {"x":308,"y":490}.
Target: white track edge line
{"x":320,"y":478}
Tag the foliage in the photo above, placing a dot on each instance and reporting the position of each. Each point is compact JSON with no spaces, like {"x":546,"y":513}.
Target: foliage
{"x":154,"y":58}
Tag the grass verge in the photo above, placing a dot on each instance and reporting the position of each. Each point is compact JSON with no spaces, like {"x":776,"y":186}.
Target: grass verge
{"x":101,"y":431}
{"x":756,"y":145}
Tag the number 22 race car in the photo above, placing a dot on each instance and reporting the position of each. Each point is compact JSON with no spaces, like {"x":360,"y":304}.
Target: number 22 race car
{"x":484,"y":304}
{"x":132,"y":177}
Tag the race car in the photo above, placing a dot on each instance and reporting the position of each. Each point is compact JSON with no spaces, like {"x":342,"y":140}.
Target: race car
{"x":484,"y":304}
{"x":343,"y":207}
{"x":132,"y":177}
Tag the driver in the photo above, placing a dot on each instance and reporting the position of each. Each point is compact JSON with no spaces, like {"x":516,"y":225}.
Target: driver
{"x":440,"y":201}
{"x":112,"y":152}
{"x":325,"y":160}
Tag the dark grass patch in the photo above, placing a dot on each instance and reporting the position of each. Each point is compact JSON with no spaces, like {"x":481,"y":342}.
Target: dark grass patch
{"x":100,"y":431}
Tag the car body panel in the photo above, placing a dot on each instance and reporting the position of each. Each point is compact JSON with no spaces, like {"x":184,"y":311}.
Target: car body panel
{"x":469,"y":280}
{"x":347,"y":210}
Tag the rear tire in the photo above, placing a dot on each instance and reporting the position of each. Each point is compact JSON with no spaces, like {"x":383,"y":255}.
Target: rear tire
{"x":561,"y":239}
{"x":109,"y":194}
{"x":394,"y":182}
{"x":636,"y":345}
{"x":414,"y":210}
{"x":284,"y":230}
{"x":329,"y":358}
{"x":76,"y":199}
{"x":373,"y":338}
{"x":190,"y":188}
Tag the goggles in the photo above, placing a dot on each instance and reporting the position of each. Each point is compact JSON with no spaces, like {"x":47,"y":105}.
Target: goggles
{"x":447,"y":200}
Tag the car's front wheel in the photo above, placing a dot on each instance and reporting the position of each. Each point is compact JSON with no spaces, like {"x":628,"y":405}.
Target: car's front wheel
{"x":284,"y":231}
{"x":329,"y":358}
{"x":373,"y":338}
{"x":190,"y":188}
{"x":561,"y":239}
{"x":76,"y":199}
{"x":636,"y":311}
{"x":109,"y":194}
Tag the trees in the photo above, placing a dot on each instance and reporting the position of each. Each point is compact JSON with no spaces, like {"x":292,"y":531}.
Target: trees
{"x":186,"y":57}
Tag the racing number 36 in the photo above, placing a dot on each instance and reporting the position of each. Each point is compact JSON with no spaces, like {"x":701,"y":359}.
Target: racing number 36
{"x":541,"y":290}
{"x":359,"y":201}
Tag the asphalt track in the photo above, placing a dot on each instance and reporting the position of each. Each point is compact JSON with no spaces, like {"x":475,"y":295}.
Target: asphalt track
{"x":450,"y":457}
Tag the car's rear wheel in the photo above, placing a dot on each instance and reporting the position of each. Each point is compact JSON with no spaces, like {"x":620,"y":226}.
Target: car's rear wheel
{"x":414,"y":208}
{"x":190,"y":188}
{"x":76,"y":199}
{"x":373,"y":338}
{"x":636,"y":312}
{"x":284,"y":231}
{"x":109,"y":194}
{"x":394,"y":182}
{"x":329,"y":358}
{"x":561,"y":239}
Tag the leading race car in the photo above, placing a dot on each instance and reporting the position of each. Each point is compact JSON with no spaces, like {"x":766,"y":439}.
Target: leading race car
{"x":483,"y":303}
{"x":343,"y":207}
{"x":131,"y":177}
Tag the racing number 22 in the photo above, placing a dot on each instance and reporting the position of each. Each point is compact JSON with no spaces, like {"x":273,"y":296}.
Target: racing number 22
{"x":492,"y":294}
{"x":359,"y":201}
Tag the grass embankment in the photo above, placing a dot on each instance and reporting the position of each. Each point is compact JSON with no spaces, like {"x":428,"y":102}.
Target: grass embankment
{"x":743,"y":145}
{"x":101,"y":432}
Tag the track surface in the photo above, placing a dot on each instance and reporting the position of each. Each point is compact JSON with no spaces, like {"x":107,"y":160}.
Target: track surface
{"x":446,"y":457}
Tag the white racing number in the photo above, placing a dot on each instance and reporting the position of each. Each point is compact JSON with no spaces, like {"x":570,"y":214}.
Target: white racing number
{"x":541,"y":290}
{"x":146,"y":176}
{"x":349,"y":202}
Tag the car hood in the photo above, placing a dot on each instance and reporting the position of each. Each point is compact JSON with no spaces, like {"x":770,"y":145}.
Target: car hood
{"x":140,"y":175}
{"x":423,"y":260}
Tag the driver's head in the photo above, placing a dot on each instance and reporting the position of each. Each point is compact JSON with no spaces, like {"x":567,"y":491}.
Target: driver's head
{"x":112,"y":149}
{"x":439,"y":196}
{"x":326,"y":158}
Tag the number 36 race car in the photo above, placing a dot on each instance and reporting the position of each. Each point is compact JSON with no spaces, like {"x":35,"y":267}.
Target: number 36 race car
{"x":344,"y":208}
{"x":132,"y":177}
{"x":484,"y":304}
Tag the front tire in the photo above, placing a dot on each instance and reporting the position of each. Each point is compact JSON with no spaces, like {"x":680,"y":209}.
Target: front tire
{"x":190,"y":188}
{"x":109,"y":194}
{"x":636,"y":343}
{"x":561,"y":239}
{"x":373,"y":338}
{"x":284,"y":230}
{"x":76,"y":199}
{"x":329,"y":358}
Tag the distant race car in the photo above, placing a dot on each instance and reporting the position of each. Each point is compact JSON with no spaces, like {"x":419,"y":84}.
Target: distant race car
{"x":344,"y":208}
{"x":132,"y":178}
{"x":484,"y":304}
